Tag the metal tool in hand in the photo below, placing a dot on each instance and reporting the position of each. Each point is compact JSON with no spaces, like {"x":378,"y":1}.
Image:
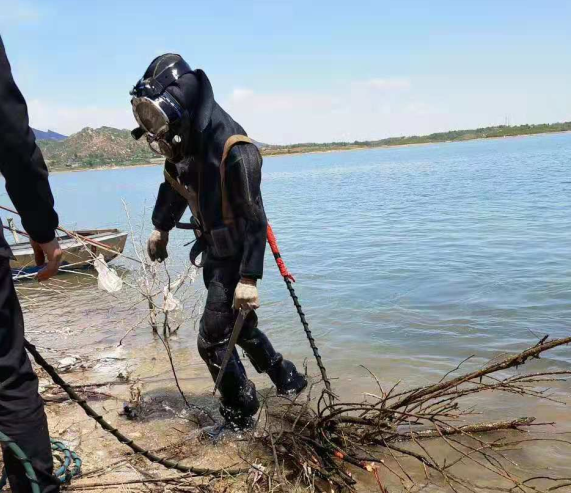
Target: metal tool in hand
{"x":242,"y":314}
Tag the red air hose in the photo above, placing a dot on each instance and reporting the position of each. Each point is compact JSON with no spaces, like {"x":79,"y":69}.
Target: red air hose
{"x":276,"y":251}
{"x":289,"y":280}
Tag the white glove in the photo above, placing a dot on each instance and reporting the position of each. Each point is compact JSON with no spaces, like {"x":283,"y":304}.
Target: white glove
{"x":157,"y":245}
{"x":246,"y":295}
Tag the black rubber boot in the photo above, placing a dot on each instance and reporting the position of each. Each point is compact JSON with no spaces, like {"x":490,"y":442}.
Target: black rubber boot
{"x":236,"y":418}
{"x":286,"y":378}
{"x":239,"y":401}
{"x":239,"y":409}
{"x":266,"y":359}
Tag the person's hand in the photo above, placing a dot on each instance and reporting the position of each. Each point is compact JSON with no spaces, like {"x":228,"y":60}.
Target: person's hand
{"x":246,"y":295}
{"x":157,"y":245}
{"x":53,"y":252}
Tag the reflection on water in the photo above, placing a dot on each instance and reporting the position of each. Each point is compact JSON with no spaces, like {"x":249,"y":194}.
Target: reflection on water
{"x":407,"y":260}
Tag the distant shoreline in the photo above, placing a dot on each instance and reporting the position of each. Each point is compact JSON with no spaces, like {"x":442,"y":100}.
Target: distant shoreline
{"x":308,"y":150}
{"x":395,"y":146}
{"x":80,"y":169}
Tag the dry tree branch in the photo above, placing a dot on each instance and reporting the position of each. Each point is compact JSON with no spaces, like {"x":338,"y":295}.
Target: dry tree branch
{"x":354,"y":433}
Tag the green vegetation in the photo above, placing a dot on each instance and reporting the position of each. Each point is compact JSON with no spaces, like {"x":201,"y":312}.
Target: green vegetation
{"x":107,"y":147}
{"x":451,"y":136}
{"x":90,"y":148}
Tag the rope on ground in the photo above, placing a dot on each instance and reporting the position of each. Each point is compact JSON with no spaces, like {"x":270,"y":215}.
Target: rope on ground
{"x":169,"y":464}
{"x":289,"y":280}
{"x":65,"y":473}
{"x":21,"y":456}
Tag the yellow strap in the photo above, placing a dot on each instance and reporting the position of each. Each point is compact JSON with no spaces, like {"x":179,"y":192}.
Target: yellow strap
{"x":231,"y":142}
{"x":192,"y":198}
{"x":227,"y":213}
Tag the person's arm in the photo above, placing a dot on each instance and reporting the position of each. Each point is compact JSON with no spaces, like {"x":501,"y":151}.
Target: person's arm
{"x":21,"y":161}
{"x":244,"y":176}
{"x":25,"y":172}
{"x":170,"y":205}
{"x":169,"y":208}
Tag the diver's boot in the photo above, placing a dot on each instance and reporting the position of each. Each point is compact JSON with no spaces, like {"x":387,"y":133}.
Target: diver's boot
{"x":286,"y":378}
{"x":265,"y":359}
{"x":238,"y":402}
{"x":239,"y":412}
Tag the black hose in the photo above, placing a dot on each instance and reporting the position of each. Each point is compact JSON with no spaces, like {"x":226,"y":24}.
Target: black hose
{"x":199,"y":471}
{"x":310,"y":338}
{"x":26,"y":463}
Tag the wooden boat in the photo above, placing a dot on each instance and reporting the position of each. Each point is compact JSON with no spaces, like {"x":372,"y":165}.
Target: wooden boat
{"x":79,"y":250}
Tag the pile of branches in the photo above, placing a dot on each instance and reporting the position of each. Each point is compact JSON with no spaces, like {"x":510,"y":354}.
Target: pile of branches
{"x":386,"y":435}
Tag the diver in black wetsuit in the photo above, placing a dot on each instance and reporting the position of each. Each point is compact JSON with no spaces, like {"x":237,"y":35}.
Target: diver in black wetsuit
{"x":176,"y":111}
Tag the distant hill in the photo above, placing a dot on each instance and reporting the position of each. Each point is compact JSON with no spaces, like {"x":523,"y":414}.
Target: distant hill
{"x":101,"y":147}
{"x":105,"y":146}
{"x":49,"y":135}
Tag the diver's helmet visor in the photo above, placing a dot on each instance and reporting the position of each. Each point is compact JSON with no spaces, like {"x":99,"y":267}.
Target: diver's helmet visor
{"x":154,"y":116}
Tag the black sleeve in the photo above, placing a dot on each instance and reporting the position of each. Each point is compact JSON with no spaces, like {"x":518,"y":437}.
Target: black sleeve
{"x":21,"y":161}
{"x":170,"y":205}
{"x":244,"y":177}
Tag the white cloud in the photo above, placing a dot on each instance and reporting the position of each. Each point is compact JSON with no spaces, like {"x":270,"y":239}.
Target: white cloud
{"x":390,"y":84}
{"x":270,"y":102}
{"x":239,"y":94}
{"x":421,"y":109}
{"x":70,"y":119}
{"x":358,"y":111}
{"x":361,"y":110}
{"x":283,"y":116}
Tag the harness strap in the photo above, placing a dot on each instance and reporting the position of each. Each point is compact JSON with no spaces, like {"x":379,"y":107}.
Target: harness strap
{"x":227,"y":213}
{"x":190,"y":195}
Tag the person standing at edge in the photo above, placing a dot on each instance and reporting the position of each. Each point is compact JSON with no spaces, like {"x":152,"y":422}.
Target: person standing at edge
{"x":212,"y":167}
{"x":22,"y":415}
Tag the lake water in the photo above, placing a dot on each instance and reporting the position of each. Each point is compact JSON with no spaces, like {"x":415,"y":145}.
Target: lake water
{"x":407,"y":260}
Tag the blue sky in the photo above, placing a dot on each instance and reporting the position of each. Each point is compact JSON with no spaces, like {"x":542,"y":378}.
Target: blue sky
{"x":301,"y":71}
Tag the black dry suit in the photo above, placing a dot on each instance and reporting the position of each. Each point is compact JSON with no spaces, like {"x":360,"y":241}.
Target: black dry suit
{"x":232,"y":250}
{"x":22,"y":415}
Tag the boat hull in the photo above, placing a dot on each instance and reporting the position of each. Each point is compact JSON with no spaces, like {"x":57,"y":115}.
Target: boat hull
{"x":77,"y":253}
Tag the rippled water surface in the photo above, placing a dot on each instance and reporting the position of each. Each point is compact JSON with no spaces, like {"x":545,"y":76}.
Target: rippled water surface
{"x":408,"y":260}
